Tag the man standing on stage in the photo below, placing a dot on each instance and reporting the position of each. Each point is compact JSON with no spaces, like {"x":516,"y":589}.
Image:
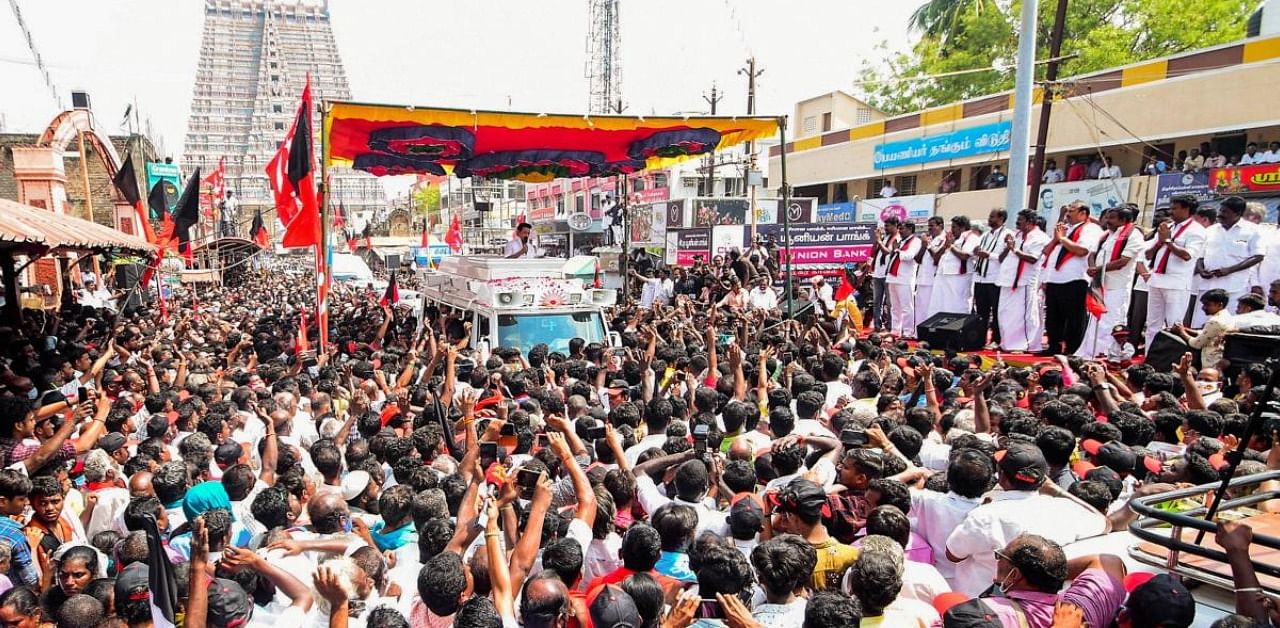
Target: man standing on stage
{"x":953,"y":286}
{"x":1232,"y":248}
{"x":901,"y":280}
{"x":986,"y":294}
{"x":1115,"y":258}
{"x":1019,"y":309}
{"x":1065,"y":281}
{"x":1171,"y":262}
{"x":927,"y":269}
{"x":886,"y":242}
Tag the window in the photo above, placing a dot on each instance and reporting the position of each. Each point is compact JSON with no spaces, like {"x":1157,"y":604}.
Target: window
{"x":579,"y":203}
{"x":906,"y":184}
{"x":978,"y":177}
{"x":273,"y":65}
{"x":841,"y":193}
{"x":277,"y":108}
{"x":810,"y":125}
{"x":637,"y":185}
{"x":873,"y":187}
{"x":279,"y":126}
{"x":275,"y":77}
{"x":826,"y":122}
{"x":659,"y":180}
{"x":864,"y":115}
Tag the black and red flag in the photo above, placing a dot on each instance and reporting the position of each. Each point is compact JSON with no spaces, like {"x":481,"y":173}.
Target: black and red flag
{"x":291,"y":173}
{"x":258,"y":230}
{"x":392,"y":294}
{"x":126,"y":181}
{"x":186,"y":214}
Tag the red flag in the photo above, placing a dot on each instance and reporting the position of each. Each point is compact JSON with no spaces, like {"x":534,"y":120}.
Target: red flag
{"x":1094,"y":301}
{"x":217,"y":188}
{"x":599,"y":281}
{"x":454,"y":236}
{"x":291,"y":174}
{"x":426,"y":240}
{"x":392,"y":295}
{"x":258,"y":230}
{"x":340,"y":216}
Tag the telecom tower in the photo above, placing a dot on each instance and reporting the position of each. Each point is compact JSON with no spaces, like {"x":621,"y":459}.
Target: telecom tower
{"x":255,"y":56}
{"x":604,"y":57}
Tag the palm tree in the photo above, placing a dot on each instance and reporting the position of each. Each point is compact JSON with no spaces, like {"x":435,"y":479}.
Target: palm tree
{"x":943,"y":19}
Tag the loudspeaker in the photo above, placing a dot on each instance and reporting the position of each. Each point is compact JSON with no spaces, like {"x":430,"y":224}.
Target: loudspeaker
{"x":1243,"y":349}
{"x":1166,"y":350}
{"x":958,"y":332}
{"x":127,"y":278}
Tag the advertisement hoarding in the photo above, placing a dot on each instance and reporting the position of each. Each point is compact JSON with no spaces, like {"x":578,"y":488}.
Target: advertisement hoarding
{"x":917,"y":208}
{"x":970,"y":142}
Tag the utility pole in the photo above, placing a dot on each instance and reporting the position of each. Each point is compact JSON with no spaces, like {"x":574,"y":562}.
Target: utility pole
{"x":1015,"y":195}
{"x":709,"y":162}
{"x":752,"y":74}
{"x":1046,"y":104}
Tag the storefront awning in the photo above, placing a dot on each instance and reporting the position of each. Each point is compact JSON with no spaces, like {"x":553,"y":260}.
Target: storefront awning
{"x":28,"y":229}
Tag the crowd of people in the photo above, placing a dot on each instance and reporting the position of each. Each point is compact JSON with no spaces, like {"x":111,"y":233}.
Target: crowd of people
{"x":727,"y":465}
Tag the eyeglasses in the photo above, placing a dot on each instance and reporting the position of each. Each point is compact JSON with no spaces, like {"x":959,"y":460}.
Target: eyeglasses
{"x":1000,"y":555}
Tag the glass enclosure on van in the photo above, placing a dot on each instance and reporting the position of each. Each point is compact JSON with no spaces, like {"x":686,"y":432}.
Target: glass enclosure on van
{"x":555,"y":329}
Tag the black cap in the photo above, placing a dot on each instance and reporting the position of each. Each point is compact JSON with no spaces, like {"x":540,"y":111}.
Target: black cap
{"x":1023,"y":465}
{"x":801,"y":497}
{"x":1161,"y":601}
{"x":135,"y":576}
{"x":613,"y":608}
{"x":619,"y":383}
{"x":111,"y":442}
{"x":971,"y":614}
{"x":229,"y":605}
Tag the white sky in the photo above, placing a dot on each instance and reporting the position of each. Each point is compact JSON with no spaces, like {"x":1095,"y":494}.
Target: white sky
{"x":460,"y":53}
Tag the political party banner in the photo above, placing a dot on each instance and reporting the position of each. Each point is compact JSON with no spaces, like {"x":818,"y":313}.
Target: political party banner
{"x":1194,"y":183}
{"x":1098,"y":194}
{"x":825,"y":243}
{"x":978,"y":140}
{"x":649,"y":224}
{"x":836,"y":212}
{"x":170,"y":177}
{"x":1245,"y":179}
{"x":709,"y":212}
{"x":692,"y":243}
{"x":801,"y":210}
{"x":916,"y":208}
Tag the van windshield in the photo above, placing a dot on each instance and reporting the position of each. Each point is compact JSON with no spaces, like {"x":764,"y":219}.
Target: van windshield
{"x":523,"y":331}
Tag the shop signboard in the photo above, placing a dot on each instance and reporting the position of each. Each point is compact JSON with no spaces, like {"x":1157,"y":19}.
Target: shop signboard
{"x":710,"y":212}
{"x":836,"y":212}
{"x":1261,"y":178}
{"x":692,"y":243}
{"x":825,"y":243}
{"x":979,"y":140}
{"x":1171,"y":184}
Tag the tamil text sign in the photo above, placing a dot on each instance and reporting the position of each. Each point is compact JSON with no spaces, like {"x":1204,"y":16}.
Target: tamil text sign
{"x":978,"y":140}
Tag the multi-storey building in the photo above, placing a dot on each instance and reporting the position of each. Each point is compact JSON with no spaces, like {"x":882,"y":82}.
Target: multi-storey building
{"x":255,"y":56}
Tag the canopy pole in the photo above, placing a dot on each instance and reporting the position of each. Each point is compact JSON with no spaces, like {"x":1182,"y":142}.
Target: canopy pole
{"x":624,"y":262}
{"x":786,"y":216}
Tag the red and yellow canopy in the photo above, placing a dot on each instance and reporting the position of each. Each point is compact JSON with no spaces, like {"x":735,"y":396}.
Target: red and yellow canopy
{"x":390,"y":139}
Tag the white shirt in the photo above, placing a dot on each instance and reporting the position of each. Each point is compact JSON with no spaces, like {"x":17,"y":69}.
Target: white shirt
{"x":514,"y":247}
{"x":1110,"y":172}
{"x":881,"y":260}
{"x":1178,"y":272}
{"x":992,"y":526}
{"x":762,"y":298}
{"x":648,"y":442}
{"x":933,"y":516}
{"x":1032,"y":243}
{"x":927,"y":268}
{"x":1132,"y":248}
{"x":1228,"y":247}
{"x":1073,"y":266}
{"x":709,"y":519}
{"x":888,"y":191}
{"x":1247,"y":159}
{"x":950,"y":264}
{"x":905,"y":257}
{"x":988,"y":270}
{"x":1053,"y":176}
{"x":1268,"y":270}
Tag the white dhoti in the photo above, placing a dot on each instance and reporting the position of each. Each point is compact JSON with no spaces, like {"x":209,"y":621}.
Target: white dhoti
{"x":1165,"y":307}
{"x":902,"y":306}
{"x":1097,"y":336}
{"x":1019,"y":315}
{"x":922,"y":305}
{"x":952,"y":294}
{"x":1198,"y":317}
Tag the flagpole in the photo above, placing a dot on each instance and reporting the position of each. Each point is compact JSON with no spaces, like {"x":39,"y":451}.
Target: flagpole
{"x":322,"y":247}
